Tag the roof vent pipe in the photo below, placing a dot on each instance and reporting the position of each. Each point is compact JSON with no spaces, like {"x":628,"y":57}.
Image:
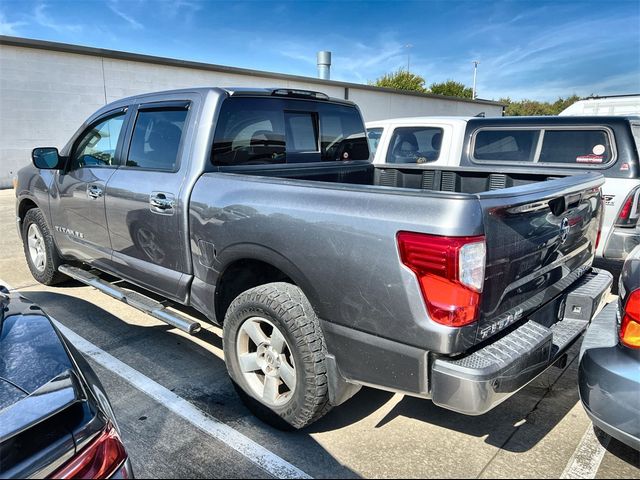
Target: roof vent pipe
{"x":324,"y":65}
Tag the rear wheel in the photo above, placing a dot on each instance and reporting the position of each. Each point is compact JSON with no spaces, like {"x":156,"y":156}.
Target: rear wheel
{"x":275,"y":355}
{"x":39,"y":249}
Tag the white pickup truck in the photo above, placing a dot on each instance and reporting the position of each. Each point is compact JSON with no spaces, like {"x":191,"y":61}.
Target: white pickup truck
{"x":548,"y":145}
{"x":433,"y":140}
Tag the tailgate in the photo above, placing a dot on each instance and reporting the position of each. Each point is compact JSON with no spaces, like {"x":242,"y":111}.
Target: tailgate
{"x":540,"y":239}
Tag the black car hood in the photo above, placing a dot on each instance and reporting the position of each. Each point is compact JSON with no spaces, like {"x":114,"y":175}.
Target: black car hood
{"x":9,"y":393}
{"x":31,"y":352}
{"x":51,"y":402}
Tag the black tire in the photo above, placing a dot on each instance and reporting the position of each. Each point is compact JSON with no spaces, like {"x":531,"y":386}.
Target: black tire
{"x":285,"y":306}
{"x":49,"y":275}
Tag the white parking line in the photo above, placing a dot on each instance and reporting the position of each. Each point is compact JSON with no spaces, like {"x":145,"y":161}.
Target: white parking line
{"x":254,"y":452}
{"x":585,"y":461}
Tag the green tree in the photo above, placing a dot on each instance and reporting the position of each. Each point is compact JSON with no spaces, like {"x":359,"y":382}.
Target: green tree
{"x":401,"y":80}
{"x":563,"y":103}
{"x":451,"y":89}
{"x":532,"y":107}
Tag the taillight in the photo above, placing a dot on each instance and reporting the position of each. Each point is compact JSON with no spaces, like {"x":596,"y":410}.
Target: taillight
{"x":630,"y":328}
{"x":100,"y":459}
{"x":629,"y":213}
{"x":450,"y":271}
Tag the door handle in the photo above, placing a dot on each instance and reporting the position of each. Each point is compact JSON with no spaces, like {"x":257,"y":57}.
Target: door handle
{"x":94,"y":191}
{"x":162,"y":203}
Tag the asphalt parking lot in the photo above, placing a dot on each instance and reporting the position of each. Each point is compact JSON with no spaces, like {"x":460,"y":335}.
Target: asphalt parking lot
{"x":181,"y":418}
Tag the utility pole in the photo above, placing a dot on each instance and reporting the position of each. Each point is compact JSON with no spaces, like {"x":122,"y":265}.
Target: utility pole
{"x":408,"y":46}
{"x":475,"y":71}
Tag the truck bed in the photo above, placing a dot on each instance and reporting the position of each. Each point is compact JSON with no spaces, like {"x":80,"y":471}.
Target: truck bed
{"x":470,"y":180}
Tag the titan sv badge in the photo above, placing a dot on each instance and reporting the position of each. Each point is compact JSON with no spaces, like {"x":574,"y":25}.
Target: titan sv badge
{"x":503,"y":321}
{"x":68,"y":231}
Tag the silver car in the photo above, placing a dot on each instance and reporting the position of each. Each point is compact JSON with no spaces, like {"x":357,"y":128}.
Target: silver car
{"x":609,"y":373}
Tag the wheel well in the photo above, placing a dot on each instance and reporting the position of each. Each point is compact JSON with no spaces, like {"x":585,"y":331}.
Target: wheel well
{"x":24,"y":207}
{"x":239,"y":277}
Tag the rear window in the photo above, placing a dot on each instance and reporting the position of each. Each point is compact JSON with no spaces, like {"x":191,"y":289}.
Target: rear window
{"x":263,"y":131}
{"x":575,"y":146}
{"x":415,"y":145}
{"x":565,"y":146}
{"x":635,"y":128}
{"x":506,"y":145}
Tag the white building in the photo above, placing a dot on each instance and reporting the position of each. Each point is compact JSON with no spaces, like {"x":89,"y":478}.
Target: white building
{"x":48,"y":89}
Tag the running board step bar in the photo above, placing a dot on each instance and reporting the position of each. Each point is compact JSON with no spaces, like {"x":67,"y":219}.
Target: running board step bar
{"x":133,"y":299}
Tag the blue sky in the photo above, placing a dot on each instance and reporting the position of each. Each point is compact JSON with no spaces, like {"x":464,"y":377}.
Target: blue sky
{"x":538,"y":50}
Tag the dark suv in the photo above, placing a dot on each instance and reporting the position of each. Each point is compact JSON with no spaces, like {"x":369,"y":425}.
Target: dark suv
{"x":564,"y":146}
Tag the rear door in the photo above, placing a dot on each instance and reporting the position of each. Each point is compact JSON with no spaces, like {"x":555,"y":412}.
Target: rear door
{"x":539,"y":242}
{"x":144,"y":208}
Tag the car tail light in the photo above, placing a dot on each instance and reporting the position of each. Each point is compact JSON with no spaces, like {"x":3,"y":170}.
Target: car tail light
{"x":629,"y":213}
{"x":600,"y":222}
{"x":630,"y":328}
{"x":100,"y":459}
{"x":450,"y":271}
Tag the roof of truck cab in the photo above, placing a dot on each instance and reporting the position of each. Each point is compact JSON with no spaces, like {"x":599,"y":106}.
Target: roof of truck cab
{"x":419,"y":121}
{"x":541,"y":120}
{"x":231,"y":91}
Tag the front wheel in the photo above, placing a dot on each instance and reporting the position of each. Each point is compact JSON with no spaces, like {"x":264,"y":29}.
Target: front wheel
{"x":39,"y":249}
{"x":275,"y":355}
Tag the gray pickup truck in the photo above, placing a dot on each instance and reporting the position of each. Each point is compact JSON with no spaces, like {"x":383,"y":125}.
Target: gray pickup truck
{"x":260,"y":209}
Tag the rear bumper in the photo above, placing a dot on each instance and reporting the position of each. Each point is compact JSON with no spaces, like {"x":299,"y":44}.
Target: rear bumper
{"x":609,"y":379}
{"x":620,"y":242}
{"x":476,"y":383}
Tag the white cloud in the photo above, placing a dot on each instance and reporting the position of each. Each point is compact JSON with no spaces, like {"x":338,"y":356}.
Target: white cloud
{"x":547,"y":64}
{"x":113,"y":6}
{"x":185,"y":9}
{"x":351,"y":60}
{"x":9,"y":28}
{"x":43,"y":19}
{"x":551,"y":90}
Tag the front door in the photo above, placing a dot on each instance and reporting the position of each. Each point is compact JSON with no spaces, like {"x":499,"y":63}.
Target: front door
{"x":77,"y":203}
{"x":143,"y":204}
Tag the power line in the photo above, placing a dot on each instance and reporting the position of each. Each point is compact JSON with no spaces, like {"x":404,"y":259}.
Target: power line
{"x":408,"y":46}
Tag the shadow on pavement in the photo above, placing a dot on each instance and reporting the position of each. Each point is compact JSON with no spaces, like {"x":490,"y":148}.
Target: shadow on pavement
{"x":359,"y":407}
{"x":619,"y":449}
{"x":189,"y":370}
{"x":523,"y":413}
{"x":199,"y":376}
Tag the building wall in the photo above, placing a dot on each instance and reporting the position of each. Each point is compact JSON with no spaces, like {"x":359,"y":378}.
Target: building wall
{"x":45,"y":95}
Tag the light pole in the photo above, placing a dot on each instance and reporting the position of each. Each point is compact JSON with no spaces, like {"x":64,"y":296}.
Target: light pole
{"x":475,"y":71}
{"x":408,"y":46}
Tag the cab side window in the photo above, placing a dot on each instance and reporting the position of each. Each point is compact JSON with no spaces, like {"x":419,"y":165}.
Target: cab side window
{"x":156,"y":139}
{"x":97,"y":145}
{"x":374,"y":135}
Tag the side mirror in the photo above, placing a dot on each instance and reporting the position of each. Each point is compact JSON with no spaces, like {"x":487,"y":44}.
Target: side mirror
{"x":47,"y":158}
